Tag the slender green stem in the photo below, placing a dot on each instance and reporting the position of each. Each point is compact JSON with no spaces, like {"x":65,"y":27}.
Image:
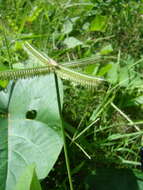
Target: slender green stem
{"x":125,"y":116}
{"x":7,"y":45}
{"x":63,"y":132}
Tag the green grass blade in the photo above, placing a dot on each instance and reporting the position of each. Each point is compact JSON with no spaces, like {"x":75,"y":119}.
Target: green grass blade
{"x":82,"y":62}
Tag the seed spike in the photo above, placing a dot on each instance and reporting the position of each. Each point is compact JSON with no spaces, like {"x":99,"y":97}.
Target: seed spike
{"x":51,"y":66}
{"x":25,"y":73}
{"x":39,"y":56}
{"x":77,"y":77}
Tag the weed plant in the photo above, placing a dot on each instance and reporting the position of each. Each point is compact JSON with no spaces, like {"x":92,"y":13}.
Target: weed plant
{"x":104,"y":125}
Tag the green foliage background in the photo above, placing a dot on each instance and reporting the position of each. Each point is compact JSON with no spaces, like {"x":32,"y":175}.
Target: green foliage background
{"x":68,"y":30}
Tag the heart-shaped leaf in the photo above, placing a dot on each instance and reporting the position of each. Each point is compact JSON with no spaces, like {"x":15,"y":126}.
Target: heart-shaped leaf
{"x":34,"y":124}
{"x":72,"y":42}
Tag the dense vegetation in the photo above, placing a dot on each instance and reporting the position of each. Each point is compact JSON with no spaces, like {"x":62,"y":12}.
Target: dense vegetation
{"x":103,"y":126}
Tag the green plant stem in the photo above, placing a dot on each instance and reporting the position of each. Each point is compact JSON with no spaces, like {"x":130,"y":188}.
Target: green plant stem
{"x":63,"y":132}
{"x":7,"y":45}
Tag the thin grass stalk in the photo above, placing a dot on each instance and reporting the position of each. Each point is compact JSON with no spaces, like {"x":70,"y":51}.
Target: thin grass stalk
{"x":6,"y":44}
{"x":63,"y":132}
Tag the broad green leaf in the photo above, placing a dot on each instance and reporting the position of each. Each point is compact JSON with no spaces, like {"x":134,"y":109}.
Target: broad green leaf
{"x":124,"y":76}
{"x":28,"y":180}
{"x":32,"y":140}
{"x":72,"y":42}
{"x":104,"y":70}
{"x":39,"y":140}
{"x":106,"y":50}
{"x":18,"y":45}
{"x":36,"y":94}
{"x":99,"y":23}
{"x":3,"y":152}
{"x":67,"y":27}
{"x":91,"y":69}
{"x":138,"y":100}
{"x":112,"y":75}
{"x":86,"y":26}
{"x":4,"y":98}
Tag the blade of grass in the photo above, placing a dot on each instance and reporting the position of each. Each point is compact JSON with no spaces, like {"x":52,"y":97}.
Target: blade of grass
{"x":79,"y":146}
{"x":6,"y":43}
{"x":120,"y":136}
{"x":83,"y":131}
{"x":125,"y":116}
{"x":129,"y":162}
{"x":63,"y":132}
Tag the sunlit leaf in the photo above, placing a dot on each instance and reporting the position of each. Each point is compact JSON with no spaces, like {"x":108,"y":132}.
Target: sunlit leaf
{"x":112,"y":74}
{"x":124,"y":76}
{"x":67,"y":27}
{"x":106,"y":50}
{"x":104,"y":69}
{"x":31,"y":138}
{"x":99,"y":23}
{"x":72,"y":42}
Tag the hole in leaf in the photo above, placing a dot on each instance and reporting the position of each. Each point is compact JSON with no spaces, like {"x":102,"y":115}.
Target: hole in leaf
{"x":31,"y":114}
